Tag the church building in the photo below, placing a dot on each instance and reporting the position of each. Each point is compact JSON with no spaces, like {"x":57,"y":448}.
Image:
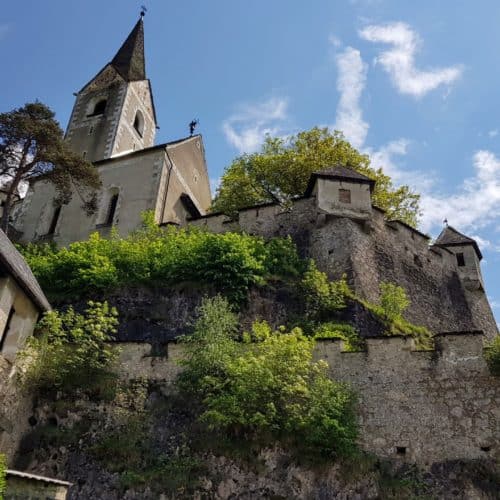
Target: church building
{"x":113,"y":124}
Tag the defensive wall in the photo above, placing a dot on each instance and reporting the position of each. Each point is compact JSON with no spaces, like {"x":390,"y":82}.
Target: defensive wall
{"x":417,"y":406}
{"x":370,"y":249}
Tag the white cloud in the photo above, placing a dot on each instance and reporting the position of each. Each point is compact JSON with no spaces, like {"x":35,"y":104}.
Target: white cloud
{"x":351,"y":81}
{"x":476,"y":202}
{"x":399,"y":60}
{"x":335,"y":41}
{"x":247,"y":128}
{"x":493,"y":133}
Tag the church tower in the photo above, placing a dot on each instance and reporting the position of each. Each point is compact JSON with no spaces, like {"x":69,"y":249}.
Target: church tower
{"x":114,"y":113}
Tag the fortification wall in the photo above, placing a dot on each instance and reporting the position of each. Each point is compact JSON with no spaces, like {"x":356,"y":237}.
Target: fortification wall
{"x":423,"y":407}
{"x":370,"y":250}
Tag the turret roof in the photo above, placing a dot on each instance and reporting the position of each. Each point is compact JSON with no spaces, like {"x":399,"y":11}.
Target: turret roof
{"x":450,"y":237}
{"x":129,"y":61}
{"x":340,"y":173}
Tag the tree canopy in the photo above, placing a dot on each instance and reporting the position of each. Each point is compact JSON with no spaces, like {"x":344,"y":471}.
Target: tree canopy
{"x":32,"y":145}
{"x":281,"y":170}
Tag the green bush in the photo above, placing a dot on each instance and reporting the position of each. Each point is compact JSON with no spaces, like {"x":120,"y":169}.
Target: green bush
{"x":3,"y":480}
{"x":70,"y":351}
{"x":492,"y":353}
{"x":267,"y":385}
{"x":393,"y":300}
{"x":322,"y":296}
{"x":229,"y":262}
{"x":352,"y":341}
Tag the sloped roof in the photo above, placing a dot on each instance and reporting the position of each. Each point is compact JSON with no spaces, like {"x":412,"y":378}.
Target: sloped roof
{"x":451,"y":237}
{"x":129,"y":61}
{"x":14,"y":264}
{"x":340,"y":173}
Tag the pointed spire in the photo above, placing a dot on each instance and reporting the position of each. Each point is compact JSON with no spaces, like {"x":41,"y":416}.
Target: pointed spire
{"x":129,"y":61}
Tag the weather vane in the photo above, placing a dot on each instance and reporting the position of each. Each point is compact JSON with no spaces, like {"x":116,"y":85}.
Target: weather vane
{"x":143,"y":10}
{"x":445,"y":222}
{"x":192,"y":126}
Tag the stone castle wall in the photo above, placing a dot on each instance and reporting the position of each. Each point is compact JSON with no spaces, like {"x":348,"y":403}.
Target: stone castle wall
{"x":370,"y":249}
{"x":418,"y":406}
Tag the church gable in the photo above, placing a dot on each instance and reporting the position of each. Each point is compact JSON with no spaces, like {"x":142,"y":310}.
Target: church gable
{"x":106,"y":78}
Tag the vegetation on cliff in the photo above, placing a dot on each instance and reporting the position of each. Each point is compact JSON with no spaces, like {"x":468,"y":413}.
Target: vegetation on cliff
{"x":267,"y":385}
{"x":281,"y":171}
{"x":230,"y":263}
{"x":71,"y":352}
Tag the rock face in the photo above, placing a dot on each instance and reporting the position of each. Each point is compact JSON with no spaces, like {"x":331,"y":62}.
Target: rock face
{"x":370,"y":249}
{"x":64,"y":440}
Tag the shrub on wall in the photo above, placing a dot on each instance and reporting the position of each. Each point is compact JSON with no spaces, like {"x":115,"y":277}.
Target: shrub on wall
{"x":267,"y":385}
{"x":71,"y":351}
{"x":492,"y":353}
{"x":229,"y":262}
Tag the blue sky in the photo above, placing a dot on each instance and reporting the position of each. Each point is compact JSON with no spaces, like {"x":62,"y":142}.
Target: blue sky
{"x":414,"y":84}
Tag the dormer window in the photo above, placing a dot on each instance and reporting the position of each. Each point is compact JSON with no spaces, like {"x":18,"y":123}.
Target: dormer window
{"x":345,"y":195}
{"x":100,"y":107}
{"x":139,"y":123}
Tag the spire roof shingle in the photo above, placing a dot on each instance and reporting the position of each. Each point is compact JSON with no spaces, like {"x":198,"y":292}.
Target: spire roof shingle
{"x":129,"y":61}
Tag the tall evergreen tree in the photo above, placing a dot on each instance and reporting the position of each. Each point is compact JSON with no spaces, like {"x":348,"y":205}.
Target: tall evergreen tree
{"x":32,"y":145}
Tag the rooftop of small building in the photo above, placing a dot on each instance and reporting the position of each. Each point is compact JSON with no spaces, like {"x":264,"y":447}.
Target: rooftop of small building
{"x":13,"y":263}
{"x":341,"y":173}
{"x":449,"y":236}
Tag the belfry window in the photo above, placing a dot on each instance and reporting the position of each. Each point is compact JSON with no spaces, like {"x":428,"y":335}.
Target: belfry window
{"x":139,"y":123}
{"x":460,"y":260}
{"x":54,"y":220}
{"x":100,"y":107}
{"x":113,"y":202}
{"x":345,"y":195}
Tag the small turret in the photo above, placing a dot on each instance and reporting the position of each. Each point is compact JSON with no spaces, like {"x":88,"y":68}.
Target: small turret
{"x":467,"y":255}
{"x":342,"y":191}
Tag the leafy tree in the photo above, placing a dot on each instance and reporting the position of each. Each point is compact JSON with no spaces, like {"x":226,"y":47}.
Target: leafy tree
{"x":31,"y":145}
{"x":282,"y":169}
{"x":71,"y":351}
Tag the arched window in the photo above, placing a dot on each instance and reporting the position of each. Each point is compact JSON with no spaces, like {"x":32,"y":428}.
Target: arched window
{"x":100,"y":107}
{"x":139,"y":123}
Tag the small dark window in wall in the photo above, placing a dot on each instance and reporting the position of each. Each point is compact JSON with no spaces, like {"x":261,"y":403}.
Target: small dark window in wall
{"x":139,"y":123}
{"x":417,"y":261}
{"x":7,"y":327}
{"x":112,"y":209}
{"x":84,"y":155}
{"x":55,"y":219}
{"x":401,"y":450}
{"x":345,"y":195}
{"x":485,"y":448}
{"x":460,"y":260}
{"x":100,"y":107}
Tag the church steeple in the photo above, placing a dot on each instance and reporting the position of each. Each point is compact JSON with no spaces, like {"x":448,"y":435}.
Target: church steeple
{"x":114,"y":112}
{"x":129,"y":61}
